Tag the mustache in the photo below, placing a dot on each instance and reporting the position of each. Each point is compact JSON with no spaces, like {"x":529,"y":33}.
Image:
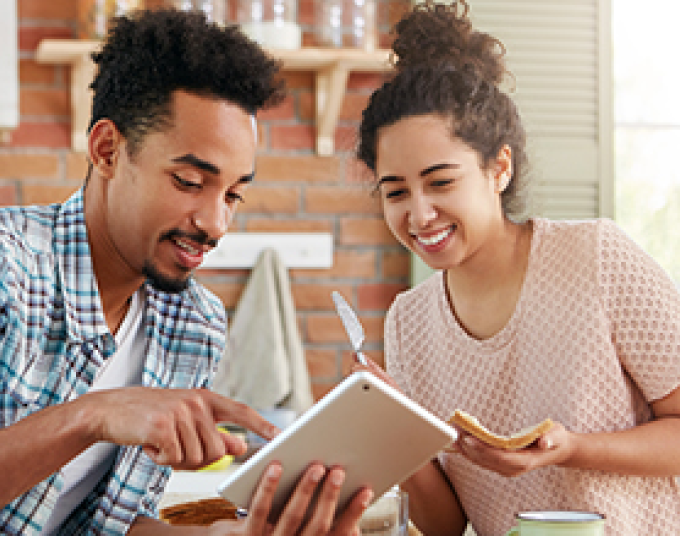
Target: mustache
{"x":200,"y":238}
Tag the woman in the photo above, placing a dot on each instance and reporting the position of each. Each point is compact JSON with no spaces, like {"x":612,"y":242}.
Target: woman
{"x":526,"y":318}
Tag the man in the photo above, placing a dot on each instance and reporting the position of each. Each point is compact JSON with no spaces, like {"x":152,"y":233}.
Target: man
{"x":105,"y":339}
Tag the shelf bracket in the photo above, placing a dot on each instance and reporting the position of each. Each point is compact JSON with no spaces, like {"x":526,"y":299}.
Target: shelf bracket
{"x":331,"y":67}
{"x":331,"y":84}
{"x":75,"y":53}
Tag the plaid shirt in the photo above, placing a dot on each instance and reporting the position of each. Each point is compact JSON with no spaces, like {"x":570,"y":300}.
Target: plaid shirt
{"x":53,"y":339}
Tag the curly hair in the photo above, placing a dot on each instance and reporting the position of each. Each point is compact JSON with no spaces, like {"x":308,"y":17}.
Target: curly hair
{"x":446,"y":68}
{"x":150,"y":54}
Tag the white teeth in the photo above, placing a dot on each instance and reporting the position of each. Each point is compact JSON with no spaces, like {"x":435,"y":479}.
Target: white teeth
{"x":432,"y":240}
{"x":187,"y":247}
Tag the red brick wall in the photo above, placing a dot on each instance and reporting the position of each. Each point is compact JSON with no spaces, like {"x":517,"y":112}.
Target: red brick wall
{"x":294,"y":190}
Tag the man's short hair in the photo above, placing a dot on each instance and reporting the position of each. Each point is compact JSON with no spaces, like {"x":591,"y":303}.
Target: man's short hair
{"x":151,"y":54}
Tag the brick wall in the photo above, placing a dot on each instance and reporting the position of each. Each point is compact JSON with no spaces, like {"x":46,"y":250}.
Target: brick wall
{"x":294,"y":189}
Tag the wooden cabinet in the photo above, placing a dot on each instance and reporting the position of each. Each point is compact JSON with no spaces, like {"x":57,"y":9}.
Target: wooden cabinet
{"x":331,"y":67}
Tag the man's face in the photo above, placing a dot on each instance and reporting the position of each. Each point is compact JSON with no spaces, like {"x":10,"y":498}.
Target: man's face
{"x":170,"y":203}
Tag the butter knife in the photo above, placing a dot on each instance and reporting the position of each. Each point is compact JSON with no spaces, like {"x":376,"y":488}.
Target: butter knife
{"x":354,"y":329}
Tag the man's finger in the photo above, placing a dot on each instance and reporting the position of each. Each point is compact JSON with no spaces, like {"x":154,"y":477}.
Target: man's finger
{"x":233,"y":444}
{"x":324,"y":510}
{"x":227,"y":410}
{"x":293,"y":516}
{"x":192,"y":447}
{"x":262,"y":500}
{"x":347,"y":522}
{"x":165,"y":452}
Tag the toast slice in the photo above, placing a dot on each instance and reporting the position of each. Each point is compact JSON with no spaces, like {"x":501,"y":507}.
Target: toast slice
{"x":514,"y":441}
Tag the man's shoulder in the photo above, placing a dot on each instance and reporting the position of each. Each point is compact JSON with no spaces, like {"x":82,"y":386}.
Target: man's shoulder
{"x":27,"y":231}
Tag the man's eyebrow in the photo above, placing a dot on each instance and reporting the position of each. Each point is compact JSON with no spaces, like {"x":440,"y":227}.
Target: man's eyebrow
{"x":196,"y":162}
{"x":423,"y":173}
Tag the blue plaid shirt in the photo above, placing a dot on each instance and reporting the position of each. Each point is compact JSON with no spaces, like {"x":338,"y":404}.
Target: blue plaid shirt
{"x":53,"y":339}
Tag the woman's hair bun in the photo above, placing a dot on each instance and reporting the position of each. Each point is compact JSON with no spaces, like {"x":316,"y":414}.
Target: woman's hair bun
{"x":441,"y":34}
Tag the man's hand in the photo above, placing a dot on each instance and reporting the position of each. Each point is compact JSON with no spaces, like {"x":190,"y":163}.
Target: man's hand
{"x":291,"y":521}
{"x":176,"y":427}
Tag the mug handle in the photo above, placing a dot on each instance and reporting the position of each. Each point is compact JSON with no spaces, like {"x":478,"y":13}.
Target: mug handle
{"x":514,"y":531}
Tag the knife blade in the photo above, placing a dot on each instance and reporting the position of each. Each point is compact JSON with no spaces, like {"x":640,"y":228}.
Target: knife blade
{"x":354,"y":329}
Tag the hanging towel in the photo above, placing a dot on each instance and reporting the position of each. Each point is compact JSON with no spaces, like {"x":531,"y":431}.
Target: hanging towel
{"x":264,"y":364}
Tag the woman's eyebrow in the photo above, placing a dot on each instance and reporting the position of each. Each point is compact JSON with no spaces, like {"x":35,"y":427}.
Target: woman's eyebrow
{"x":438,"y":167}
{"x":423,"y":173}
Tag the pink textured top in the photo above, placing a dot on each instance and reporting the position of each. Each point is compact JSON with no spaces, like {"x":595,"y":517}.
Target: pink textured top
{"x":595,"y":336}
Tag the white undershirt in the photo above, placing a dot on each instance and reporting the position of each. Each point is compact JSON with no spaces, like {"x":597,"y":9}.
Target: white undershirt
{"x":124,"y":368}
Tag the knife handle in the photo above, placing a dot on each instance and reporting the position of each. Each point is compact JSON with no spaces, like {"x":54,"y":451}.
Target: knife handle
{"x":361,"y":358}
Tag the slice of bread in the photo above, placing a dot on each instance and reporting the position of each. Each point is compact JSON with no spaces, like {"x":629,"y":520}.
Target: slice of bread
{"x":202,"y":512}
{"x":515,"y":441}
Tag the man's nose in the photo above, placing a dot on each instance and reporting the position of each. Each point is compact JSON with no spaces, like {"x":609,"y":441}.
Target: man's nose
{"x":213,"y":218}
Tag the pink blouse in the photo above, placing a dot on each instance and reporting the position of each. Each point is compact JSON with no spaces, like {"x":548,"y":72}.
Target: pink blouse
{"x":594,"y":338}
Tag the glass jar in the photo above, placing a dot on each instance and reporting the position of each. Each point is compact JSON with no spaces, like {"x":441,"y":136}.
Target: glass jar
{"x":272,"y":23}
{"x":328,"y":27}
{"x":388,"y":515}
{"x":215,"y":10}
{"x":93,"y":15}
{"x":346,"y":23}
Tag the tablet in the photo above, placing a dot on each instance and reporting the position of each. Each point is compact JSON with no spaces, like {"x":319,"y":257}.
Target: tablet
{"x":378,"y":435}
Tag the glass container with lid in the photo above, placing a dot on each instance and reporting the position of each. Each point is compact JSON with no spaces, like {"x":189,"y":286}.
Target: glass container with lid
{"x":346,"y":23}
{"x":272,"y":23}
{"x":215,"y":10}
{"x":93,"y":15}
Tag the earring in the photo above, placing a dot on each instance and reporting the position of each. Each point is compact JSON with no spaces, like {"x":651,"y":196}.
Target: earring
{"x":503,"y":182}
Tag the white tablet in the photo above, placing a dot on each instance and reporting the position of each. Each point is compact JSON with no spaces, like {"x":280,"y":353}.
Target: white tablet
{"x":378,"y":435}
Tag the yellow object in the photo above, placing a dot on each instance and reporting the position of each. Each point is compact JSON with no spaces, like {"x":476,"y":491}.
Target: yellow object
{"x":224,"y":461}
{"x":219,"y":465}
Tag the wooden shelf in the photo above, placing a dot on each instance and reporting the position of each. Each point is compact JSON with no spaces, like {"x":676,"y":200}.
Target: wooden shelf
{"x":331,"y":67}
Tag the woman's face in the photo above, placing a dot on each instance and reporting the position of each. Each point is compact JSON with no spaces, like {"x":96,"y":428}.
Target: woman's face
{"x":437,"y":200}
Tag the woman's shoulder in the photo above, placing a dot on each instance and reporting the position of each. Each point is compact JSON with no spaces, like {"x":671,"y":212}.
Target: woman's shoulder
{"x":598,"y":233}
{"x":566,"y":229}
{"x":575,"y":237}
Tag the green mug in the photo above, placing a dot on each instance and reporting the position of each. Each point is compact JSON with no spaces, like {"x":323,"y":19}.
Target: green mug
{"x":558,"y":523}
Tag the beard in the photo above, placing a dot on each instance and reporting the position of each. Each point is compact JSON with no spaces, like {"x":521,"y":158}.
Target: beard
{"x":164,"y":283}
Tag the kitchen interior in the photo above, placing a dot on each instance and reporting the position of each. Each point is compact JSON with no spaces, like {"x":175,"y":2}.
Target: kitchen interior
{"x":311,"y":201}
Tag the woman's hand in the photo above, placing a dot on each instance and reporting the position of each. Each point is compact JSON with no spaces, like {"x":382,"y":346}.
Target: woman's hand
{"x":552,"y":448}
